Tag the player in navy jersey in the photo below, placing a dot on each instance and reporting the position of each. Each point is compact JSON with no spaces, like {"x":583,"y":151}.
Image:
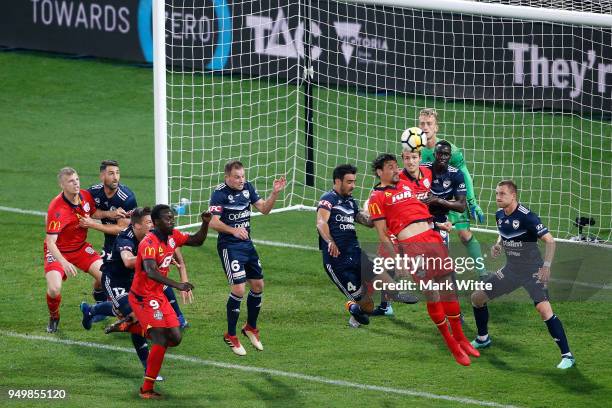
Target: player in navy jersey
{"x":337,"y":213}
{"x":230,"y":205}
{"x":115,"y":203}
{"x":519,"y":230}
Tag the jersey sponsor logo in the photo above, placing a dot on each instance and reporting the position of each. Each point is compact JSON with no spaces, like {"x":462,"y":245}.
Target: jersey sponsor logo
{"x":171,"y":242}
{"x":515,"y":224}
{"x":401,"y":196}
{"x":149,"y":251}
{"x":239,"y":216}
{"x":374,"y":209}
{"x":540,"y":227}
{"x":462,"y":185}
{"x":55,"y":226}
{"x":215,"y":209}
{"x":326,"y":204}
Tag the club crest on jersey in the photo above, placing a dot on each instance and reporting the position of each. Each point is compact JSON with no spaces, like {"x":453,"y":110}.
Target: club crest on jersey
{"x":246,"y":194}
{"x":90,"y":250}
{"x":97,"y":200}
{"x":499,"y":222}
{"x":158,"y":315}
{"x":426,"y":183}
{"x":86,"y":207}
{"x":515,"y":224}
{"x":446,"y":183}
{"x":171,"y":242}
{"x":230,"y":198}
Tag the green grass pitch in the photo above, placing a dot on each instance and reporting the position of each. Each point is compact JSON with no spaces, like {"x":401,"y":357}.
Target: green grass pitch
{"x":56,"y":112}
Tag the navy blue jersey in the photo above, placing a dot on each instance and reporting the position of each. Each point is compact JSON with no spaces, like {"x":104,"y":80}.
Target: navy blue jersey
{"x":519,"y":232}
{"x":448,"y":185}
{"x":234,"y":208}
{"x":341,"y":220}
{"x":114,"y":267}
{"x":123,"y":198}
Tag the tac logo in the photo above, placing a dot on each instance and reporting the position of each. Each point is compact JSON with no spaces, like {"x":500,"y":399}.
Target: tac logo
{"x":192,"y":27}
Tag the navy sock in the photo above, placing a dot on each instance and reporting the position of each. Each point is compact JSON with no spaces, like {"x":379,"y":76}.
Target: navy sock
{"x":253,"y":307}
{"x":481,"y":315}
{"x":233,"y":312}
{"x":141,"y":347}
{"x":555,"y":328}
{"x":172,"y":299}
{"x":384,"y":305}
{"x":99,"y":295}
{"x":102,"y":309}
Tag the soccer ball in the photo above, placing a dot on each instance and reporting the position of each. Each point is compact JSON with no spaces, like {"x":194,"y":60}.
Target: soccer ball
{"x":413,"y":139}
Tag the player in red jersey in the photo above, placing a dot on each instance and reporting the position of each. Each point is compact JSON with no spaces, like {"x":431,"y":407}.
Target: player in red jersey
{"x":418,"y":177}
{"x":395,"y":209}
{"x":66,"y":248}
{"x":151,"y":307}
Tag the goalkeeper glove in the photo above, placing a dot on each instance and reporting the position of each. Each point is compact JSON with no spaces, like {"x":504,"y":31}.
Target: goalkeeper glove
{"x":476,"y":212}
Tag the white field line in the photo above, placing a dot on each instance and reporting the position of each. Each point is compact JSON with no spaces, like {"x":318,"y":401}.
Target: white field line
{"x":261,"y":370}
{"x":303,"y":247}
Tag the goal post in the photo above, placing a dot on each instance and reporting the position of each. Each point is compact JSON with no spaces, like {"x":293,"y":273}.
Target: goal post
{"x":298,"y":87}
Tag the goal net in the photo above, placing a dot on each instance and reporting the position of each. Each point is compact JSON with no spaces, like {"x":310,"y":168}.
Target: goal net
{"x":298,"y":87}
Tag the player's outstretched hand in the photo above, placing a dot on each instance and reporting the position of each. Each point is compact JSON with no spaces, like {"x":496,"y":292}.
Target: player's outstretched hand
{"x":430,"y":199}
{"x":185,"y":286}
{"x":86,"y":222}
{"x":444,"y":226}
{"x":279,"y":184}
{"x":69,"y":268}
{"x":119,"y":213}
{"x":241,"y":233}
{"x":544,"y":275}
{"x":476,"y":212}
{"x":187,"y":296}
{"x":496,"y":250}
{"x":206,"y":217}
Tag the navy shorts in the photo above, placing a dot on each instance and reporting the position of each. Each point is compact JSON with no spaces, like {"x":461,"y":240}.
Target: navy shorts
{"x":117,"y":291}
{"x":511,"y":277}
{"x":346,"y":273}
{"x":240,"y":263}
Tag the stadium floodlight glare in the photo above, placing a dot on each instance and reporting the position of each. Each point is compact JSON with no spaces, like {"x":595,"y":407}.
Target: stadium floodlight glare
{"x":298,"y":87}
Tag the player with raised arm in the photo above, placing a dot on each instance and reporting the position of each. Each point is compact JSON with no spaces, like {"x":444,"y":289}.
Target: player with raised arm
{"x":429,"y":123}
{"x":337,"y":213}
{"x":66,"y":248}
{"x":147,"y":299}
{"x":519,"y":230}
{"x":230,"y":206}
{"x":395,"y":209}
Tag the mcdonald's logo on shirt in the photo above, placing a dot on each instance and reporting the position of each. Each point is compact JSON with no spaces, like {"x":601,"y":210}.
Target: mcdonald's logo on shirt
{"x":374,"y":209}
{"x":149,"y":251}
{"x":54,"y":226}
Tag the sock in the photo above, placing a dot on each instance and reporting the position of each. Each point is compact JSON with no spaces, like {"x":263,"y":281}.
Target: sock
{"x":102,"y":309}
{"x":555,"y":328}
{"x":172,"y":299}
{"x":233,"y":312}
{"x":253,"y":306}
{"x":54,"y":305}
{"x":473,"y":248}
{"x":384,"y":305}
{"x":353,"y":307}
{"x":453,"y":314}
{"x":154,"y":362}
{"x":99,"y":295}
{"x":141,"y":347}
{"x":437,"y":315}
{"x":481,"y":315}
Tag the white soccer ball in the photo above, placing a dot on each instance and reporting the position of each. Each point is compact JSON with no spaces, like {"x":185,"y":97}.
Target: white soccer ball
{"x":413,"y":139}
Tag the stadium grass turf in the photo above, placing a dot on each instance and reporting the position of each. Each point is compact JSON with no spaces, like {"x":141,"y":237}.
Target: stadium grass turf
{"x":58,"y":112}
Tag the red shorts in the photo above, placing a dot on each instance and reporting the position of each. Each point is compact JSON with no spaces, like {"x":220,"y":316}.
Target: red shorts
{"x":430,"y":246}
{"x":82,"y":258}
{"x":153,"y":311}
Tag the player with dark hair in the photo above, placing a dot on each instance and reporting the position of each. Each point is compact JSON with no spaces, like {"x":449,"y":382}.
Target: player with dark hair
{"x":519,"y":230}
{"x":66,"y":248}
{"x":149,"y":304}
{"x":337,"y":213}
{"x":395,"y":209}
{"x":429,"y":122}
{"x":115,"y":202}
{"x":230,"y":206}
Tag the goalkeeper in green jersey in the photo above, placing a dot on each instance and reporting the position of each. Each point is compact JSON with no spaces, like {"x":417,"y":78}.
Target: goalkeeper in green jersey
{"x":428,"y":122}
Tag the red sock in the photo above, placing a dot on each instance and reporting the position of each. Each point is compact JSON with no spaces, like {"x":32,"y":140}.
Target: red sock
{"x":54,"y":304}
{"x":154,"y":362}
{"x":453,"y":313}
{"x":437,"y":315}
